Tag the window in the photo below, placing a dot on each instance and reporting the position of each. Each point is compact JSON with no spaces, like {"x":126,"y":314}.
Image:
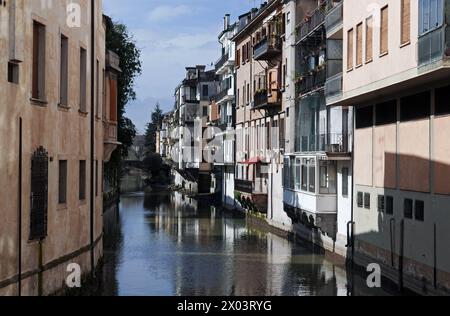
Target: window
{"x":312,"y":175}
{"x":345,"y":173}
{"x":364,"y":117}
{"x":292,"y":174}
{"x":381,"y":204}
{"x":298,"y":182}
{"x":238,"y":58}
{"x":431,"y":15}
{"x":415,"y":107}
{"x":360,"y":199}
{"x":389,"y":205}
{"x":419,"y":211}
{"x":367,"y":201}
{"x":238,"y":97}
{"x":384,"y":31}
{"x":38,"y":77}
{"x":406,"y":22}
{"x":386,"y":113}
{"x":248,"y":93}
{"x":82,"y":179}
{"x":304,"y":174}
{"x":408,"y":208}
{"x":286,"y":168}
{"x":350,"y":50}
{"x":205,"y":91}
{"x":62,"y":182}
{"x":369,"y":39}
{"x":64,"y":71}
{"x":327,"y":175}
{"x":359,"y":44}
{"x":13,"y":72}
{"x":442,"y":105}
{"x":83,"y":71}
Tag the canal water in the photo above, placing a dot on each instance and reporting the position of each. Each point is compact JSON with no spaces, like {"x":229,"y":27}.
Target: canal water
{"x":166,"y":244}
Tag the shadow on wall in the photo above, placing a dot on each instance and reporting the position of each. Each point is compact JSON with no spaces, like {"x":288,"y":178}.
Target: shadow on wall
{"x":405,"y":228}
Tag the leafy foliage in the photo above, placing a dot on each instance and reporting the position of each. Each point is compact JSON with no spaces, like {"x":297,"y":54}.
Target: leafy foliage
{"x":122,"y":43}
{"x":152,"y":129}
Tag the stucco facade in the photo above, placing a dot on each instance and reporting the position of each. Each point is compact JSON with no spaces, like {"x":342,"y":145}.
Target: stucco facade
{"x":401,"y":156}
{"x":62,"y":130}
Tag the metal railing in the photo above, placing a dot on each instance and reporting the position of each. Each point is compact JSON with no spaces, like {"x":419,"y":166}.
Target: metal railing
{"x":224,"y":59}
{"x":270,"y":45}
{"x":334,"y":17}
{"x":333,"y":85}
{"x":433,"y":46}
{"x":328,"y":142}
{"x":312,"y":81}
{"x":316,"y":19}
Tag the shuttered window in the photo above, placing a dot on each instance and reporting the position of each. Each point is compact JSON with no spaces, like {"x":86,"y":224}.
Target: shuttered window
{"x":406,"y":21}
{"x":350,"y":50}
{"x":369,"y":39}
{"x":359,"y":44}
{"x":384,"y":31}
{"x":238,"y":58}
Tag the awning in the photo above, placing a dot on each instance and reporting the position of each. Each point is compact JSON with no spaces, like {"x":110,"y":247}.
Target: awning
{"x":253,"y":161}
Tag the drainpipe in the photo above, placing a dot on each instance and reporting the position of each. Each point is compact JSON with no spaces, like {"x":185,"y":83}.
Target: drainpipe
{"x":92,"y":206}
{"x":19,"y":284}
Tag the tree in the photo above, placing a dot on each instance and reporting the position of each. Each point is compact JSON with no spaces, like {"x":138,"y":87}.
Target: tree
{"x":122,"y":43}
{"x":152,"y":129}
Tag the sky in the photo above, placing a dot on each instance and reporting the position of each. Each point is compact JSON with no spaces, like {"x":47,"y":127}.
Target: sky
{"x":171,"y":35}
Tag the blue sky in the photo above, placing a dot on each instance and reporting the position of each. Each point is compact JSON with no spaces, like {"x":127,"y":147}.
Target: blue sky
{"x":172,"y":34}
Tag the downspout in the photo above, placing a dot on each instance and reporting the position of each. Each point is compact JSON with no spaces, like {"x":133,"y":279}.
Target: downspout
{"x":19,"y":284}
{"x":92,"y":206}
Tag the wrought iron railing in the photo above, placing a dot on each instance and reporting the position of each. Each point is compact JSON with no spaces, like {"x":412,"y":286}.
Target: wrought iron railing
{"x":224,"y":59}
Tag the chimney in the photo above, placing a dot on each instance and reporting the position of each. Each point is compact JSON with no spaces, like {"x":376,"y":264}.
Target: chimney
{"x":226,"y":22}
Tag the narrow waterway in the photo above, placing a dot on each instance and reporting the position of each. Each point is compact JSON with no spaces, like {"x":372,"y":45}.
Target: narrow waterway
{"x":167,"y":244}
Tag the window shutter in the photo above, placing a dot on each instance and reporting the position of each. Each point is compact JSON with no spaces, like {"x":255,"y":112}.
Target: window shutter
{"x":384,"y":30}
{"x":350,"y":50}
{"x":406,"y":21}
{"x":359,"y":39}
{"x":369,"y":39}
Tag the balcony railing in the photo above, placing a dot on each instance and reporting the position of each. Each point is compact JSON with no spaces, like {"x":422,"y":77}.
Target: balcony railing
{"x":312,"y":80}
{"x":434,"y":46}
{"x":267,"y":48}
{"x":313,"y":22}
{"x":333,"y":86}
{"x":243,"y":186}
{"x":222,"y":61}
{"x":334,"y":17}
{"x":328,"y":142}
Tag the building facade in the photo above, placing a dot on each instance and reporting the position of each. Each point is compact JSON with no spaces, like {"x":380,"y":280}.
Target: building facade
{"x":52,"y":201}
{"x":260,"y":111}
{"x":222,"y":116}
{"x":395,"y":76}
{"x":192,"y":99}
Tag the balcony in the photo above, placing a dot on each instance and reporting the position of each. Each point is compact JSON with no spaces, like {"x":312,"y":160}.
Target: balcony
{"x":109,"y":139}
{"x":334,"y":19}
{"x":434,"y":46}
{"x":311,"y":81}
{"x":333,"y":86}
{"x":190,"y":112}
{"x":223,"y":63}
{"x":243,"y":186}
{"x":330,"y":143}
{"x":311,"y":24}
{"x":263,"y":100}
{"x":268,"y":48}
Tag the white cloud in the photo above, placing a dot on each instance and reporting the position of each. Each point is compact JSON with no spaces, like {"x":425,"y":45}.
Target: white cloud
{"x":165,"y":12}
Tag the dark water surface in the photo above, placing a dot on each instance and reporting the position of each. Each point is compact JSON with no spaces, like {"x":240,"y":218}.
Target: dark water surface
{"x":164,"y":244}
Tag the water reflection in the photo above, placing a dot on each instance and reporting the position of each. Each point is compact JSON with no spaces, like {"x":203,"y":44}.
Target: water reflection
{"x":168,"y":244}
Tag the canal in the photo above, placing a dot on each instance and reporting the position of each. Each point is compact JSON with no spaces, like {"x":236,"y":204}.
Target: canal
{"x":166,"y":244}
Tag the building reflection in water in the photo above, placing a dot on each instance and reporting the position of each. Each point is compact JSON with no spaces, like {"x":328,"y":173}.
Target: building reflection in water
{"x":170,"y":244}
